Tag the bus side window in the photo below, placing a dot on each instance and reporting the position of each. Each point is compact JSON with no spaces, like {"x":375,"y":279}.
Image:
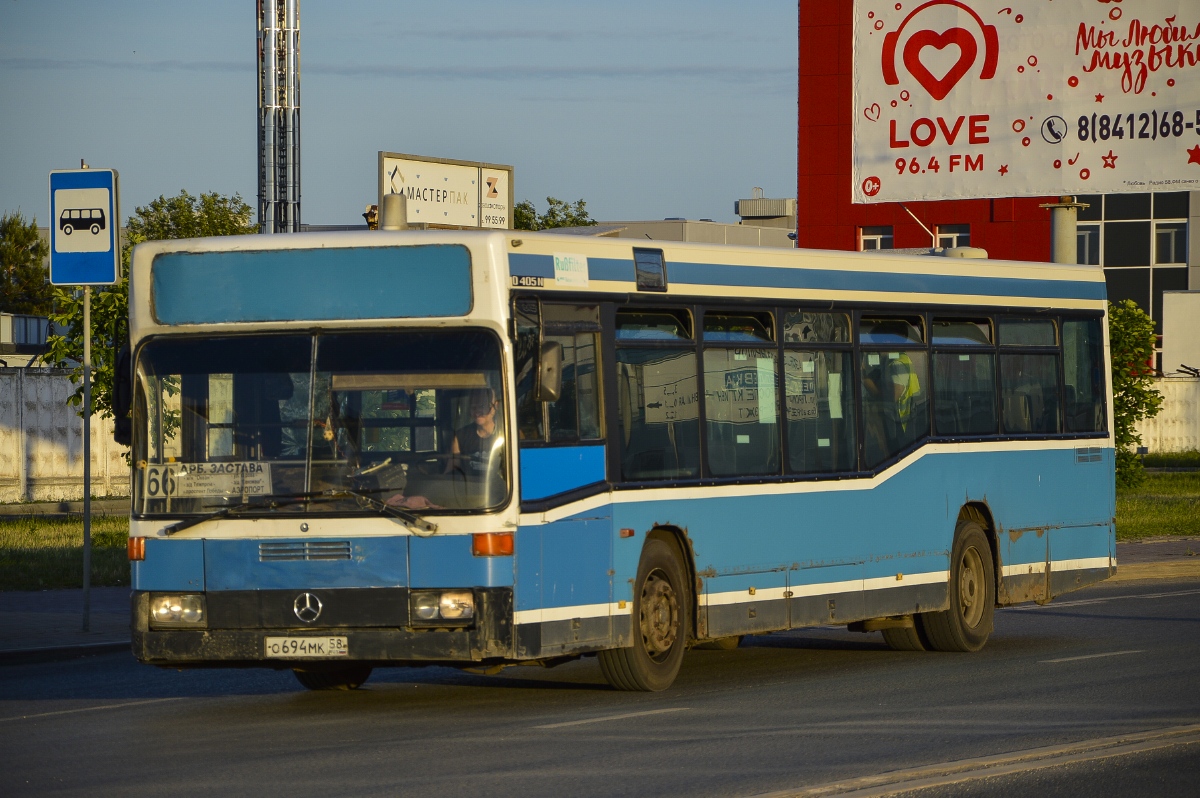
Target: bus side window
{"x":964,"y":380}
{"x":575,"y":415}
{"x":1083,"y":375}
{"x":1029,"y":376}
{"x":526,"y":336}
{"x":895,"y":386}
{"x":819,"y":397}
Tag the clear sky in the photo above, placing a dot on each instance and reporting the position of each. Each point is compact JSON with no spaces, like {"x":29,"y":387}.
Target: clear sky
{"x":644,"y":109}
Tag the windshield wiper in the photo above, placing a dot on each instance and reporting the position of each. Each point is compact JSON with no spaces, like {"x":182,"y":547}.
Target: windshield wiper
{"x":232,"y":509}
{"x":413,"y":521}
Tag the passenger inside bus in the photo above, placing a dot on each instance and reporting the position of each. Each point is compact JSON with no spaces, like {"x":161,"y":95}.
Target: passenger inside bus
{"x":894,"y":408}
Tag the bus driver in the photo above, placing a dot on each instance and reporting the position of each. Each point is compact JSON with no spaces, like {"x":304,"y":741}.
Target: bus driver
{"x":474,"y":442}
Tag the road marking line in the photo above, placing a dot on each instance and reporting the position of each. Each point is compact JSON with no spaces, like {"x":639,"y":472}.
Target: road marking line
{"x":1082,"y":602}
{"x":89,"y":709}
{"x":955,"y":772}
{"x":611,"y":717}
{"x":1095,"y":656}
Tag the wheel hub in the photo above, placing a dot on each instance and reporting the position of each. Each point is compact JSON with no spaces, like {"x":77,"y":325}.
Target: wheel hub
{"x":970,"y":587}
{"x":659,"y":615}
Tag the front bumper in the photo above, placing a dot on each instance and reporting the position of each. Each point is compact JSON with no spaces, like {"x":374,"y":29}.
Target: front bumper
{"x":374,"y":621}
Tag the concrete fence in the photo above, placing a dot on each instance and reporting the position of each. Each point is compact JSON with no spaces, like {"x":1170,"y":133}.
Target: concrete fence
{"x":1176,"y":428}
{"x":41,"y":441}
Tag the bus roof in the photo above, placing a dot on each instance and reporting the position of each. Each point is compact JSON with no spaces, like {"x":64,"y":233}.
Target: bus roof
{"x":384,"y":276}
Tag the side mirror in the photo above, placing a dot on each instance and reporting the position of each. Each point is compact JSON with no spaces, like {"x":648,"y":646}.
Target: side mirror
{"x":550,"y":372}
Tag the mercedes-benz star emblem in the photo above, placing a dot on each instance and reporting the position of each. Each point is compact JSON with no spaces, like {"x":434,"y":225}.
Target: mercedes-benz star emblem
{"x":307,"y":607}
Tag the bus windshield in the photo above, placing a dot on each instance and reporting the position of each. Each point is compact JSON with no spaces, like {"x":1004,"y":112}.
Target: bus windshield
{"x":332,"y":422}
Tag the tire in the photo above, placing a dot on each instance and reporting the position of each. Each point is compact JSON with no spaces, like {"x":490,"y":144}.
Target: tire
{"x":68,"y":229}
{"x":341,"y":677}
{"x":95,"y":229}
{"x":662,"y":609}
{"x":965,"y":626}
{"x":904,"y":639}
{"x":721,"y":644}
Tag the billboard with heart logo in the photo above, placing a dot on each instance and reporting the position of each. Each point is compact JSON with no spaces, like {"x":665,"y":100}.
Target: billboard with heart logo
{"x":975,"y":98}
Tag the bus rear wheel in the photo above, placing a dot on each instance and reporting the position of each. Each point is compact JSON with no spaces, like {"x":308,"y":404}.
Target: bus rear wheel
{"x":340,"y":677}
{"x":907,"y":638}
{"x":966,"y":625}
{"x":661,"y":619}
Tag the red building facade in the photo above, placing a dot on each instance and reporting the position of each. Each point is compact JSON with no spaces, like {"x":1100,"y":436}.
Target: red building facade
{"x":1012,"y":229}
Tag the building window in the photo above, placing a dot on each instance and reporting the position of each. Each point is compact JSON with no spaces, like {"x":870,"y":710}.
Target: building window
{"x":871,"y":238}
{"x":1170,"y":242}
{"x":1142,"y":244}
{"x":953,"y":235}
{"x":1087,"y":241}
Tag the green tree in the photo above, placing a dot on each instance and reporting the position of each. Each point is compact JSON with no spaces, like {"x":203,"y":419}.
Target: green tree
{"x":23,"y":280}
{"x":182,"y":216}
{"x":558,"y":214}
{"x":1131,"y":341}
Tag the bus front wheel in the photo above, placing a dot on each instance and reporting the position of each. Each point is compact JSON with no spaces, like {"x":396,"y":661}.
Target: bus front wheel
{"x":661,"y":619}
{"x":340,"y":677}
{"x":965,"y":626}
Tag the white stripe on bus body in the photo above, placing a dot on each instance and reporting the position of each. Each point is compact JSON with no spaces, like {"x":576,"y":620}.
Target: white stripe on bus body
{"x":578,"y":612}
{"x":782,"y":488}
{"x":723,"y":598}
{"x":1082,"y":564}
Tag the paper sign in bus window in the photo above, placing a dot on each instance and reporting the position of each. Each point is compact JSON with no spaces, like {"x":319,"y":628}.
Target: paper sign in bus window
{"x":670,"y":390}
{"x":801,"y":385}
{"x":739,"y":386}
{"x":200,"y":480}
{"x":835,"y":395}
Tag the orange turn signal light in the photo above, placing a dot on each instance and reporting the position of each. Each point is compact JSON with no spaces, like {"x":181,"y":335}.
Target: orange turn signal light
{"x":492,"y":544}
{"x":136,"y":549}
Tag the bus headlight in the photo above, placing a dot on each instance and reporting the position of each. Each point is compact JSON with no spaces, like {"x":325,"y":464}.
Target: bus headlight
{"x":184,"y":610}
{"x":442,"y":607}
{"x":458,"y":604}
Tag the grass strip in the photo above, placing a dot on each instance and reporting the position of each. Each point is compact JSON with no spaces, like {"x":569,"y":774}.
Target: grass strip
{"x":1173,"y":460}
{"x":47,"y":554}
{"x":1165,"y":504}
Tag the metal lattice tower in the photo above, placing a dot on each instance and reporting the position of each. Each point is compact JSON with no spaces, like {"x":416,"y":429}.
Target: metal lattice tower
{"x":279,"y":116}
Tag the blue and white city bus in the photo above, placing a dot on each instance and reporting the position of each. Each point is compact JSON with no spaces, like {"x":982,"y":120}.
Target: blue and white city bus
{"x":482,"y":448}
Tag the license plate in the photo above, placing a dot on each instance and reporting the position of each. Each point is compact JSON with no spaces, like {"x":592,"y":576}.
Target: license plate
{"x":297,"y":647}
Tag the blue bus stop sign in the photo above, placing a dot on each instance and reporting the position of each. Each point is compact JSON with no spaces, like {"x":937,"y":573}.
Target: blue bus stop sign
{"x":84,"y":227}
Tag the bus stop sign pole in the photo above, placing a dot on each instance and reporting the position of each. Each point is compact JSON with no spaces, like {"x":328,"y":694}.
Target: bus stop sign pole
{"x":85,"y":251}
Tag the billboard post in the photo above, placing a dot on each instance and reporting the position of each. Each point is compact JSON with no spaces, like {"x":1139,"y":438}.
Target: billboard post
{"x":1063,"y":215}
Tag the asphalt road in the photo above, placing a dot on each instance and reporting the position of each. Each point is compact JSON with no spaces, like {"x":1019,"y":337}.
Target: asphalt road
{"x":1101,"y":687}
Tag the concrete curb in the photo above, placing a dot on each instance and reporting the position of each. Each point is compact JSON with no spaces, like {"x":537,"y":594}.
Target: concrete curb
{"x":26,"y":656}
{"x":1141,"y":572}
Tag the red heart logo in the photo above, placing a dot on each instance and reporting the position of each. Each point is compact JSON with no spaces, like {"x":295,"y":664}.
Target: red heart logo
{"x":939,"y":88}
{"x":872,"y":112}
